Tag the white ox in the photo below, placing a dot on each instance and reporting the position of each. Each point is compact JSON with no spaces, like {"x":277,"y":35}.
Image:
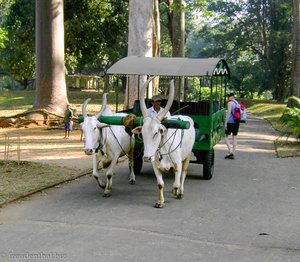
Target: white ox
{"x":166,"y":148}
{"x":112,"y":141}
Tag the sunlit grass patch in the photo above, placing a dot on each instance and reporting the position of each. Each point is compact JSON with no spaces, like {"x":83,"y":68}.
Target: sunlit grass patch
{"x":16,"y":99}
{"x":273,"y":112}
{"x":287,"y":148}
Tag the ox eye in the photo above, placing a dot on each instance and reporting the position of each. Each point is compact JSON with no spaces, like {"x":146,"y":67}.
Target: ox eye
{"x":155,"y":134}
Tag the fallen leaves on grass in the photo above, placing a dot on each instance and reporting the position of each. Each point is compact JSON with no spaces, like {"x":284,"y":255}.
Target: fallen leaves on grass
{"x":20,"y":178}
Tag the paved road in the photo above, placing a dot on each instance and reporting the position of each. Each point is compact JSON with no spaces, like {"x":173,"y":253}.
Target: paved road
{"x":249,"y":211}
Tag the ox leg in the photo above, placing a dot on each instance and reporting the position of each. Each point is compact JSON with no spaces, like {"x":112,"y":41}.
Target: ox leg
{"x":108,"y":187}
{"x":131,"y":162}
{"x":95,"y":173}
{"x":185,"y":166}
{"x":160,"y":184}
{"x":176,"y":184}
{"x":109,"y":175}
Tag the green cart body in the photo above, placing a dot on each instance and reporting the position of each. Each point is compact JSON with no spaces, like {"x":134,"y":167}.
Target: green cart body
{"x":208,"y":114}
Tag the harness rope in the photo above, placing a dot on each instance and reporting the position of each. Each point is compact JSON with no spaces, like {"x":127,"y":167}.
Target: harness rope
{"x":170,"y":151}
{"x":119,"y":142}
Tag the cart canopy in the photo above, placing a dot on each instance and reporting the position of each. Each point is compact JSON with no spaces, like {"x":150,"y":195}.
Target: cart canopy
{"x":170,"y":66}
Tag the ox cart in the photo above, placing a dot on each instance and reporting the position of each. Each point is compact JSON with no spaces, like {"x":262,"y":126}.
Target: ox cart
{"x":206,"y":110}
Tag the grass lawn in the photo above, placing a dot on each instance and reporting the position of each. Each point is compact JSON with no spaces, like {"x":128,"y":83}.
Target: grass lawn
{"x":22,"y":178}
{"x":272,"y":112}
{"x":20,"y":101}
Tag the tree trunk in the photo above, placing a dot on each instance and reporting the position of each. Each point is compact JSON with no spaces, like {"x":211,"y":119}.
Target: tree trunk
{"x":296,"y":50}
{"x":178,"y":40}
{"x":156,"y":41}
{"x":139,"y":41}
{"x":51,"y":92}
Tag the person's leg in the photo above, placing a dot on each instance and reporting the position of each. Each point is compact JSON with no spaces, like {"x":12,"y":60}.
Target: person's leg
{"x":70,"y":129}
{"x":234,"y":138}
{"x":228,"y":132}
{"x":234,"y":144}
{"x":227,"y":142}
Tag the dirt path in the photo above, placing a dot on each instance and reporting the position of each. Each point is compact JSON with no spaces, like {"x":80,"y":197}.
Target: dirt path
{"x":42,"y":144}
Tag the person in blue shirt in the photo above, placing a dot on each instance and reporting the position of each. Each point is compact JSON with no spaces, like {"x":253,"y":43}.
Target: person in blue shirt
{"x":231,"y":127}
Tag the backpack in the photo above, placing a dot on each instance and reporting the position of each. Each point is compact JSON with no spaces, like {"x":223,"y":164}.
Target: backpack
{"x":239,"y":112}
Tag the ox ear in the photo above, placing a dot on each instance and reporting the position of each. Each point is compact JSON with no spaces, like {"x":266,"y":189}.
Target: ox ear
{"x":102,"y":125}
{"x":137,"y":130}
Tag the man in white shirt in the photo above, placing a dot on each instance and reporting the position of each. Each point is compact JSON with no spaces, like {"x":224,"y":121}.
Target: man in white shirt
{"x":156,"y":108}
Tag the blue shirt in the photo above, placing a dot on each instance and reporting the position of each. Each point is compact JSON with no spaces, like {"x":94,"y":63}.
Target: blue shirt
{"x":231,"y":119}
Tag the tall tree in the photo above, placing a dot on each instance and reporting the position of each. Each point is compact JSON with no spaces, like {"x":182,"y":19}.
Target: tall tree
{"x":96,"y":34}
{"x":178,"y":39}
{"x":257,"y":32}
{"x":296,"y":49}
{"x":176,"y":26}
{"x":17,"y":53}
{"x":139,"y":41}
{"x":280,"y":48}
{"x":51,"y":92}
{"x":156,"y":41}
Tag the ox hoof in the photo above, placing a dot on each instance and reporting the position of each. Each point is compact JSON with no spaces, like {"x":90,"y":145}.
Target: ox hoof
{"x":100,"y":183}
{"x":132,"y":182}
{"x":158,"y":205}
{"x":179,"y":196}
{"x":176,"y":192}
{"x":106,"y":194}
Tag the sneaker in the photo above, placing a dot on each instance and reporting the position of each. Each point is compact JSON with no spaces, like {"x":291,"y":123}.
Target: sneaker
{"x":228,"y":156}
{"x":231,"y":156}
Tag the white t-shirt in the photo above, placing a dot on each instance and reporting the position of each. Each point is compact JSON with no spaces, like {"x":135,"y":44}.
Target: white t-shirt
{"x":152,"y":113}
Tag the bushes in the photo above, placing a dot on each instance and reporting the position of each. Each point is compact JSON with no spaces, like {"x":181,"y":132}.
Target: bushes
{"x":291,"y":117}
{"x":293,"y":101}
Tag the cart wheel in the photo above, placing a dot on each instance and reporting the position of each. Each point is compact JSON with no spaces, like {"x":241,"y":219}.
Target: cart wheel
{"x":138,"y":161}
{"x":208,"y":164}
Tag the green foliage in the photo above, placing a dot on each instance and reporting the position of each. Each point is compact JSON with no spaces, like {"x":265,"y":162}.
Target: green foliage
{"x":291,"y":121}
{"x":17,"y":56}
{"x":293,"y":101}
{"x":254,"y":37}
{"x":3,"y":38}
{"x":96,"y":33}
{"x":199,"y":89}
{"x":4,"y":8}
{"x":6,"y":82}
{"x":272,"y":111}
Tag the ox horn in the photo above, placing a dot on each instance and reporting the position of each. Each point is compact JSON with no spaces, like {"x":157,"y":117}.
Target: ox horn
{"x":104,"y":103}
{"x":170,"y":101}
{"x":84,"y":107}
{"x":142,"y":99}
